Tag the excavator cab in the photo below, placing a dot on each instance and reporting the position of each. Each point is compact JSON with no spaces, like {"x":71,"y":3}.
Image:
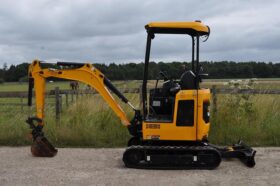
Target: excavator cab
{"x":179,"y":109}
{"x":176,"y":116}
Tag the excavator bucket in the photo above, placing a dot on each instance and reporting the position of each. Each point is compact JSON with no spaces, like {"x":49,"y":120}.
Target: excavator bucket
{"x":41,"y":147}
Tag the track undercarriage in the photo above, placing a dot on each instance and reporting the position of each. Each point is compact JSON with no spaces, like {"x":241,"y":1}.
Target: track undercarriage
{"x":171,"y":157}
{"x":203,"y":156}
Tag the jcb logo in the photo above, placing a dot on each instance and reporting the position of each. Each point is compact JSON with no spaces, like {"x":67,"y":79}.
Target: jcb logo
{"x":152,"y":126}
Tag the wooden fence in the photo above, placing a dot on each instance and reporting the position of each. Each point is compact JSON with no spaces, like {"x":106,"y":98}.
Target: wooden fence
{"x":71,"y":95}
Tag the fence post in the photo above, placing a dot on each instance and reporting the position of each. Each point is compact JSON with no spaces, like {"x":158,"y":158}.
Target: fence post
{"x":57,"y":104}
{"x":72,"y":96}
{"x":66,"y":97}
{"x":60,"y":103}
{"x":214,"y":97}
{"x":140,"y":97}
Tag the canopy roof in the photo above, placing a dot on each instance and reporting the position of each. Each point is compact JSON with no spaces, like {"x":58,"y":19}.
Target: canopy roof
{"x":191,"y":28}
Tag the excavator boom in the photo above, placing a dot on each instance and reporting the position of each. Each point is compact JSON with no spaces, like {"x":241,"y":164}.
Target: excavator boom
{"x":85,"y":73}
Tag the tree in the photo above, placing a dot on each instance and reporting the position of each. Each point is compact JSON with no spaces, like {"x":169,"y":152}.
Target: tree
{"x":5,"y":66}
{"x":134,"y":71}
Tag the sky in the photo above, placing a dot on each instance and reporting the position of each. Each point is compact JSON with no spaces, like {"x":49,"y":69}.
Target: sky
{"x":113,"y":30}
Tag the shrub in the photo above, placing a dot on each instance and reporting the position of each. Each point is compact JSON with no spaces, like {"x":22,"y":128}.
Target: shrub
{"x":23,"y":79}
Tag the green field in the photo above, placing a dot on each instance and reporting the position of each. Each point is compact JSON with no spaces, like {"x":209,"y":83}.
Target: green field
{"x":7,"y":87}
{"x":89,"y":122}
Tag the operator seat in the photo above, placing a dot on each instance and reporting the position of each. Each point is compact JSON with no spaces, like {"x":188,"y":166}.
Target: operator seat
{"x":187,"y":81}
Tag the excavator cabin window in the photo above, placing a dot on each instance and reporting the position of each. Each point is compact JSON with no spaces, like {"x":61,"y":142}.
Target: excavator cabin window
{"x":185,"y":114}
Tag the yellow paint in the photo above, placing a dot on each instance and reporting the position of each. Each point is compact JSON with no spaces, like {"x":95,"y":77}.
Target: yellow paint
{"x":197,"y":26}
{"x":169,"y":131}
{"x":87,"y":74}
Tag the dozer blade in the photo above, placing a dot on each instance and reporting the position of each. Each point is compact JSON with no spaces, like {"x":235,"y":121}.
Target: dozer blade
{"x":41,"y":147}
{"x":239,"y":150}
{"x":243,"y":152}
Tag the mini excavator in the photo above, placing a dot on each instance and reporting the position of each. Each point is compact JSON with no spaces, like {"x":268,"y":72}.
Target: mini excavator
{"x":170,"y":131}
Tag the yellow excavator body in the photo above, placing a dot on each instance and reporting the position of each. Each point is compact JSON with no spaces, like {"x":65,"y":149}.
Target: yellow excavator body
{"x":170,"y":131}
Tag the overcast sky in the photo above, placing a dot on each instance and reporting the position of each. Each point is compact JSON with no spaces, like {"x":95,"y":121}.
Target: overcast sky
{"x":107,"y":31}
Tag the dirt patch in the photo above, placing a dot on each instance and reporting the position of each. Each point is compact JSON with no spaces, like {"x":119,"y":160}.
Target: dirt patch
{"x":74,"y":166}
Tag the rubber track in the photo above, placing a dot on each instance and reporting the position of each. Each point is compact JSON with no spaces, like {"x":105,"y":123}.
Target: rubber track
{"x":171,"y":157}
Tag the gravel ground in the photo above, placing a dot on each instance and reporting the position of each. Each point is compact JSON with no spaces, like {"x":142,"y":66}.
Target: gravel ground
{"x":75,"y":166}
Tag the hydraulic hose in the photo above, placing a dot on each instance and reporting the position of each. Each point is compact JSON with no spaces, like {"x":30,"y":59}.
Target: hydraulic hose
{"x":30,"y":88}
{"x":108,"y":84}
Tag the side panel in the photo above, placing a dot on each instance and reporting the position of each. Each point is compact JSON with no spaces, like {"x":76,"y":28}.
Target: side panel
{"x":175,"y":130}
{"x":170,"y":131}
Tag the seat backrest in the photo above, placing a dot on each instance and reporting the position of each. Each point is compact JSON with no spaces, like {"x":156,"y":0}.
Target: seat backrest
{"x":187,"y":81}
